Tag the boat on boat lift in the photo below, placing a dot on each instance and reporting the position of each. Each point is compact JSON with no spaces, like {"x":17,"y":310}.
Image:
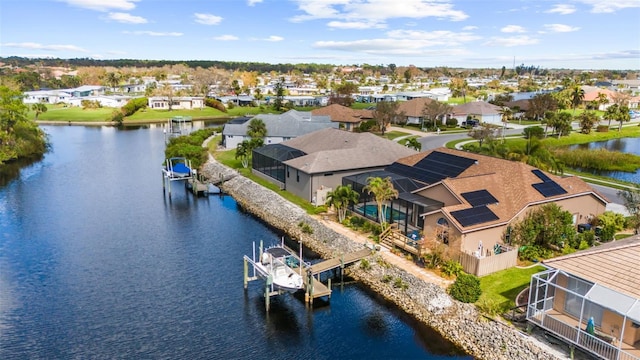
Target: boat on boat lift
{"x":282,"y":266}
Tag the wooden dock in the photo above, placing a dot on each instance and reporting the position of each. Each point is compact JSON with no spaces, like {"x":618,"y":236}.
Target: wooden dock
{"x":315,"y":288}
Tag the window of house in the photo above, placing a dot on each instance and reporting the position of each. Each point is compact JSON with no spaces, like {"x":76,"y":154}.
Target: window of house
{"x":297,"y":175}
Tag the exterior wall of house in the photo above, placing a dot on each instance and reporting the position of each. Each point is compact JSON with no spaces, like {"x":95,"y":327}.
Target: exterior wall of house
{"x":414,"y":120}
{"x":298,"y":183}
{"x":440,"y":193}
{"x":583,"y":208}
{"x":232,"y":141}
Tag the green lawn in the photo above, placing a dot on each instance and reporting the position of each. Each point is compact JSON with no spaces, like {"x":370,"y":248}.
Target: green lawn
{"x":228,"y":158}
{"x":394,"y":134}
{"x":73,"y":114}
{"x":501,"y":288}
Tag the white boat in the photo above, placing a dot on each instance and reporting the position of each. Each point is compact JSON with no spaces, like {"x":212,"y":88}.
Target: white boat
{"x":177,"y":167}
{"x":283,"y":267}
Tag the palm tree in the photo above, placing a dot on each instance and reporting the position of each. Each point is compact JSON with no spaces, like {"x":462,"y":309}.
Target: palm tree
{"x":506,"y":114}
{"x":602,"y":99}
{"x":243,"y":152}
{"x":413,"y":143}
{"x":257,"y":129}
{"x":612,"y":113}
{"x":39,"y":108}
{"x":587,"y":120}
{"x":341,"y":198}
{"x":383,"y":191}
{"x":623,"y":116}
{"x":577,"y":96}
{"x":112,"y":79}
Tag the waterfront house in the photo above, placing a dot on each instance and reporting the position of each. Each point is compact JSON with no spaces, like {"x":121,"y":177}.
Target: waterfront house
{"x":468,"y":201}
{"x":46,"y":97}
{"x":600,"y":285}
{"x":280,"y":127}
{"x":347,"y":118}
{"x":177,"y":102}
{"x":311,"y":165}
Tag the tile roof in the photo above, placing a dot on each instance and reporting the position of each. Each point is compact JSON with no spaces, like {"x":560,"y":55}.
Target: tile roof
{"x":614,"y":265}
{"x":341,"y":113}
{"x":591,"y":93}
{"x":290,"y":124}
{"x":508,"y":181}
{"x":414,"y":107}
{"x":476,"y":107}
{"x":336,"y":150}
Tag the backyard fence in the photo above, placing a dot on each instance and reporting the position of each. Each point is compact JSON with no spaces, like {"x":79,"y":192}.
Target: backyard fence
{"x":480,"y":266}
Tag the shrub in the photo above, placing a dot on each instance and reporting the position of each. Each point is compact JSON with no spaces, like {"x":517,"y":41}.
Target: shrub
{"x":213,"y":103}
{"x":602,"y":128}
{"x":451,"y":268}
{"x":398,"y":283}
{"x":134,"y":105}
{"x":466,"y":288}
{"x":452,"y":122}
{"x":364,"y":264}
{"x":489,"y":307}
{"x":117,"y":116}
{"x":306,"y":228}
{"x":533,"y":253}
{"x":432,"y":260}
{"x":386,"y":278}
{"x":533,"y":132}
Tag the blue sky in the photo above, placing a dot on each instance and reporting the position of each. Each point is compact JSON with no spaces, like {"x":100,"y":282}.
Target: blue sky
{"x":577,"y":34}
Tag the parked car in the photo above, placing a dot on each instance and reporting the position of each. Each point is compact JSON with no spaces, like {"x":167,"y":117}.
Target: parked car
{"x":470,"y":123}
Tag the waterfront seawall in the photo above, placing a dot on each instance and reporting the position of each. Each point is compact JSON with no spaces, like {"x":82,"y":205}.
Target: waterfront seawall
{"x":460,"y":323}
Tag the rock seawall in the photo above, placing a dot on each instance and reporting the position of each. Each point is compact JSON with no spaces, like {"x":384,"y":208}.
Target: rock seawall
{"x":460,"y":323}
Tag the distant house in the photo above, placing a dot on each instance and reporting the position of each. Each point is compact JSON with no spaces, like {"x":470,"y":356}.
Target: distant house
{"x":183,"y":103}
{"x":593,"y":94}
{"x":112,"y":101}
{"x":347,"y":118}
{"x":601,"y":286}
{"x":413,"y":109}
{"x":46,"y":97}
{"x":62,"y":95}
{"x":480,"y":110}
{"x":280,"y":127}
{"x":237,"y":100}
{"x":311,"y":165}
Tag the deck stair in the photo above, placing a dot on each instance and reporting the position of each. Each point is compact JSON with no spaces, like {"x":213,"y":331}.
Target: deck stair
{"x":392,"y":238}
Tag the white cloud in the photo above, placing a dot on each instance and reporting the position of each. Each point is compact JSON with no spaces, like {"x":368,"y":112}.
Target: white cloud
{"x":253,"y":2}
{"x":153,"y":33}
{"x":395,"y":47}
{"x":376,"y":11}
{"x":274,"y":38}
{"x":513,"y":29}
{"x":442,"y":37}
{"x":126,"y":18}
{"x":38,"y":46}
{"x":207,"y":19}
{"x":560,"y":28}
{"x":226,"y":38}
{"x":355,"y":25}
{"x":512,"y":41}
{"x":609,"y":6}
{"x":562,"y":9}
{"x":469,"y":28}
{"x":103,"y":5}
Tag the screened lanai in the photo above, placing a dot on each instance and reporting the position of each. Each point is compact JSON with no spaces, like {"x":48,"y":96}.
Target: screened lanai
{"x":269,"y":160}
{"x":405,"y":210}
{"x":565,"y":305}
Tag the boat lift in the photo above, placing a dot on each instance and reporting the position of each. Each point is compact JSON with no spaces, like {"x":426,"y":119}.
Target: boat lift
{"x":177,"y":126}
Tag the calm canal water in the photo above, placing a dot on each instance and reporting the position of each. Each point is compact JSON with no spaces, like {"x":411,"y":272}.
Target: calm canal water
{"x":627,"y":145}
{"x":96,"y":262}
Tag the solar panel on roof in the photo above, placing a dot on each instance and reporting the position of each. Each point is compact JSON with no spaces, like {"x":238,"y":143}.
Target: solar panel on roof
{"x":422,"y":175}
{"x":446,"y":165}
{"x":479,"y":197}
{"x":549,"y":188}
{"x":474,"y":215}
{"x":541,"y":175}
